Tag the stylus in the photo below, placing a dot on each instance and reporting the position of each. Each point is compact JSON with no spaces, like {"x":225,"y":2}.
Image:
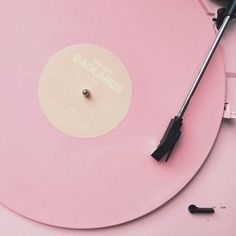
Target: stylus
{"x":173,"y":130}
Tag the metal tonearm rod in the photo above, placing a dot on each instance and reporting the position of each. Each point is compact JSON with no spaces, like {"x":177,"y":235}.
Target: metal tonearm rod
{"x":173,"y":131}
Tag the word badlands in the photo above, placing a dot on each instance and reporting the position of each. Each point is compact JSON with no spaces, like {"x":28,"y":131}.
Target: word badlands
{"x":99,"y":71}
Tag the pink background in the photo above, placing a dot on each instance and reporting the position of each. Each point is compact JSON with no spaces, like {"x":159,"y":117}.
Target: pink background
{"x":214,"y":186}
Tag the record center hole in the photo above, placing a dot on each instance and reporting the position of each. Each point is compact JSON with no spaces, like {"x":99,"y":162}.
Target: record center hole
{"x":86,"y":93}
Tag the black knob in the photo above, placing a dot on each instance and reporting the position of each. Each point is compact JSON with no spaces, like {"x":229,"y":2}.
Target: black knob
{"x":194,"y":210}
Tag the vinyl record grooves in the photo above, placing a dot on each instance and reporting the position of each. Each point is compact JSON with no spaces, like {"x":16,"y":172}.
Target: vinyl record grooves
{"x":78,"y":161}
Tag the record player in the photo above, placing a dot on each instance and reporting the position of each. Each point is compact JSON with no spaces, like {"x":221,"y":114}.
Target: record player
{"x":118,"y":117}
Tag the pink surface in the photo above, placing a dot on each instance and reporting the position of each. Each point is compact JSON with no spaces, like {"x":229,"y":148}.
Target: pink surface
{"x":210,"y":6}
{"x":229,"y":50}
{"x":215,"y":185}
{"x":228,"y":41}
{"x":43,"y":184}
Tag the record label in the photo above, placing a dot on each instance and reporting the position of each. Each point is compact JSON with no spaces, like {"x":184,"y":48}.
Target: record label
{"x":85,"y":91}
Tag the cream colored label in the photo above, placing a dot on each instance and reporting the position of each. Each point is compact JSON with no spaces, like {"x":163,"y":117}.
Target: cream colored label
{"x":81,"y":67}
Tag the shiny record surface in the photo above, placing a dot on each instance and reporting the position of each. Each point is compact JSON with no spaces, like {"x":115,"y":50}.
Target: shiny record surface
{"x":104,"y":178}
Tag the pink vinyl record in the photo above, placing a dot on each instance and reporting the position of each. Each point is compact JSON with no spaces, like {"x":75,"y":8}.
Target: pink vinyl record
{"x":85,"y":162}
